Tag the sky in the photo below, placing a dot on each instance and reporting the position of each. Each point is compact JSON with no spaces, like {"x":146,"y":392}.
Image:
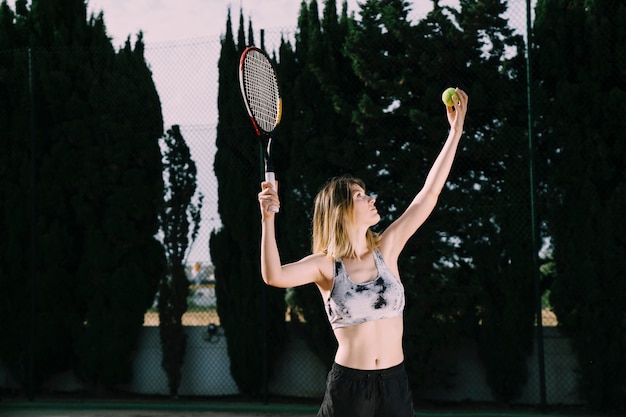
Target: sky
{"x":188,"y":31}
{"x":182,"y":39}
{"x":170,"y":20}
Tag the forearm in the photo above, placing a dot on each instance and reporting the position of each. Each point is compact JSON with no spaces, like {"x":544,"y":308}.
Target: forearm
{"x":270,"y":257}
{"x":439,"y":172}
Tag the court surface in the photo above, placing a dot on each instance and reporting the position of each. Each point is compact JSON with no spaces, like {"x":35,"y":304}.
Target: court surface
{"x":176,"y":409}
{"x":136,"y":413}
{"x":108,"y":409}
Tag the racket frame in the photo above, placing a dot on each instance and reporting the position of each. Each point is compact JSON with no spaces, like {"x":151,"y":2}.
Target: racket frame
{"x":265,"y":134}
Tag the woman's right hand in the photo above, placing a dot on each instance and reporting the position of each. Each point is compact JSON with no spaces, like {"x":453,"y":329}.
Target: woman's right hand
{"x":268,"y":197}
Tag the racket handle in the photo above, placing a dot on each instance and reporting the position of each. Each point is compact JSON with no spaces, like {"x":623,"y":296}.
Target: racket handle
{"x":271,"y":178}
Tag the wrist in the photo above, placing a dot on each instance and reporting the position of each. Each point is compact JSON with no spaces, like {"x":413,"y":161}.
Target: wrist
{"x":456,"y":132}
{"x":267,"y":218}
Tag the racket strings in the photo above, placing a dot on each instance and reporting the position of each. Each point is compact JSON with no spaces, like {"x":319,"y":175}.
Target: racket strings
{"x":261,"y":89}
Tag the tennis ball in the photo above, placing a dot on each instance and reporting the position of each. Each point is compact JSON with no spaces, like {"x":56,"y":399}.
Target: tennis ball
{"x":449,"y":97}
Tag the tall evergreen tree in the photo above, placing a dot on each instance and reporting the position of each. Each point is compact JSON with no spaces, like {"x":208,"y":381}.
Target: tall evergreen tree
{"x":252,"y":315}
{"x":401,"y":135}
{"x":322,"y":143}
{"x":470,"y":239}
{"x":580,"y":61}
{"x":179,"y":223}
{"x":497,"y":231}
{"x":96,"y":259}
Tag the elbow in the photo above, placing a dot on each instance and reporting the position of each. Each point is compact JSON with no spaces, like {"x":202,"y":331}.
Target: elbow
{"x":267,"y":279}
{"x":273,"y":280}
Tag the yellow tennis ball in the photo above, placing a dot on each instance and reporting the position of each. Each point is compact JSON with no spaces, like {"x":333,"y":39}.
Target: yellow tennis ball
{"x":449,"y":97}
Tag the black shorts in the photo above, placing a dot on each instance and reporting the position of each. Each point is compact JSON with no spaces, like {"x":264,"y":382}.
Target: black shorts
{"x":356,"y":393}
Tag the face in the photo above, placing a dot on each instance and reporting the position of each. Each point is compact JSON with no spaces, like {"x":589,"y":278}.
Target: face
{"x":363,"y":210}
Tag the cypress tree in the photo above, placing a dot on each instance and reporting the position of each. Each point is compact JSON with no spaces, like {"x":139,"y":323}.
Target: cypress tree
{"x":252,"y":315}
{"x":122,"y":257}
{"x":97,"y":261}
{"x":322,"y":143}
{"x":180,"y":222}
{"x":580,"y":59}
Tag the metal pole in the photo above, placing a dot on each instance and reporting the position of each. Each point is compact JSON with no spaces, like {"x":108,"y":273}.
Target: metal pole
{"x":33,"y":234}
{"x":534,"y":231}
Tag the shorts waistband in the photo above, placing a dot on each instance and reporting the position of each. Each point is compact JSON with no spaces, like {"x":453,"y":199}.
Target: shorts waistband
{"x":370,"y":373}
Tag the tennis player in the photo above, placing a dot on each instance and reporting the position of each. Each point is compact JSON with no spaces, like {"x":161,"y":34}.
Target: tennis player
{"x":356,"y":272}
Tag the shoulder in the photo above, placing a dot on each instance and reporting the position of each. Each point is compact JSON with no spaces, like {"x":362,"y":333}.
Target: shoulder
{"x":389,"y":254}
{"x":325,"y":264}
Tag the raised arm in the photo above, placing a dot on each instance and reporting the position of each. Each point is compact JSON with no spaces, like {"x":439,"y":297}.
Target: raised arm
{"x":273,"y":272}
{"x":399,"y":232}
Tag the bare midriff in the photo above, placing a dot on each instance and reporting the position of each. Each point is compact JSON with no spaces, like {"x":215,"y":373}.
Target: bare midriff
{"x":371,"y":345}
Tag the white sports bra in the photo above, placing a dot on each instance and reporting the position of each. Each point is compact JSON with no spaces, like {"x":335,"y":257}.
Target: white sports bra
{"x":350,"y":303}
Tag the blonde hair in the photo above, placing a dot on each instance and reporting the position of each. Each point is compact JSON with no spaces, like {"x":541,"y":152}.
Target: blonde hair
{"x":332,"y":218}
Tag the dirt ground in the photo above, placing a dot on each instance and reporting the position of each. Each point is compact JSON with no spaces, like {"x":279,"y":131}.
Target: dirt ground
{"x":190,"y":318}
{"x":203,"y":318}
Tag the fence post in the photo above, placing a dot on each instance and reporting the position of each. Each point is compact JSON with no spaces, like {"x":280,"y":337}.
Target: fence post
{"x":533,"y":216}
{"x":33,"y":234}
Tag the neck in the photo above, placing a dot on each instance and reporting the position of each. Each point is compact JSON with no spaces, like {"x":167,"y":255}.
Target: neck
{"x":360,"y":246}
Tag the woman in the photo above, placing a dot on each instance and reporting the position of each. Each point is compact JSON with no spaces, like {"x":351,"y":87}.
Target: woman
{"x":356,"y":272}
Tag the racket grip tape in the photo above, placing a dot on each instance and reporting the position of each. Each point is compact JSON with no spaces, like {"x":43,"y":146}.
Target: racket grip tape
{"x":271,"y":178}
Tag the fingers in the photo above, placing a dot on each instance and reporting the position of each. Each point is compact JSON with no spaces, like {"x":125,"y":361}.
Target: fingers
{"x":456,"y":113}
{"x":266,"y":184}
{"x":463,"y":98}
{"x":461,"y":105}
{"x":268,"y":197}
{"x":461,"y":101}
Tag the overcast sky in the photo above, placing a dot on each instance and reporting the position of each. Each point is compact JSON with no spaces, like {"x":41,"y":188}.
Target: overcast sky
{"x":170,"y":20}
{"x":185,"y":73}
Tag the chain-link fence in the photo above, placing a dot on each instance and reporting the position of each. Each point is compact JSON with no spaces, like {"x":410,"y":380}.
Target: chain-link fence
{"x":186,"y":74}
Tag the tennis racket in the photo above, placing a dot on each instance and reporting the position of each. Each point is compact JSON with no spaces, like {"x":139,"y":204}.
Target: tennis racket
{"x":259,"y":89}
